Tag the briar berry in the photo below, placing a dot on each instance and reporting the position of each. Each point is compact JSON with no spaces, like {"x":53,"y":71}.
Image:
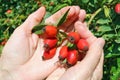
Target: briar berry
{"x":117,"y":8}
{"x":63,"y":52}
{"x":50,"y":31}
{"x":49,"y":43}
{"x":49,"y":54}
{"x":83,"y":45}
{"x":73,"y":37}
{"x":8,"y":11}
{"x":72,"y":57}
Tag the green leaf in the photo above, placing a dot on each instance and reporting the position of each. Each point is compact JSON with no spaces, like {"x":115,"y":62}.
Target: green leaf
{"x":85,"y":1}
{"x":108,"y":36}
{"x":103,"y":21}
{"x":109,"y":1}
{"x":62,"y":19}
{"x":38,"y":29}
{"x":116,"y":72}
{"x":117,"y":40}
{"x":48,"y":14}
{"x":107,"y":11}
{"x":58,"y":7}
{"x":111,"y":55}
{"x":104,"y":28}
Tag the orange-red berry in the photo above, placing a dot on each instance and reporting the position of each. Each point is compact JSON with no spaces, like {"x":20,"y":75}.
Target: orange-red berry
{"x":49,"y":54}
{"x":117,"y":8}
{"x":72,"y":57}
{"x":50,"y":31}
{"x":49,"y":43}
{"x":73,"y":37}
{"x":8,"y":11}
{"x":63,"y":52}
{"x":83,"y":45}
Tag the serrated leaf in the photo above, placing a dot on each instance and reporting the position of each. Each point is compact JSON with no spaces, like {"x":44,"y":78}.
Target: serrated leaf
{"x":62,"y":18}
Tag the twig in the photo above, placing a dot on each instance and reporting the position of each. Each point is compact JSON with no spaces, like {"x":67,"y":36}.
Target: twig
{"x":93,"y":16}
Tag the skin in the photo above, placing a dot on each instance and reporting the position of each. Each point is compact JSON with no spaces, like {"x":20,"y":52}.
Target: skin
{"x":94,"y":57}
{"x":22,"y":54}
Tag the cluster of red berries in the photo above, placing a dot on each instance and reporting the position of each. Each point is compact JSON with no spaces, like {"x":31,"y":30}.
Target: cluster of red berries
{"x":71,"y":52}
{"x":50,"y":42}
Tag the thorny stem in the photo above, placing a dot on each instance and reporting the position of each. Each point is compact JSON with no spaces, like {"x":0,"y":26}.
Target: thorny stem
{"x":93,"y":16}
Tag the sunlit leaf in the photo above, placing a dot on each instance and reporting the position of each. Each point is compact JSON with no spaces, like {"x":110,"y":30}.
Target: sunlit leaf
{"x":62,"y":18}
{"x":104,"y":28}
{"x":103,"y":21}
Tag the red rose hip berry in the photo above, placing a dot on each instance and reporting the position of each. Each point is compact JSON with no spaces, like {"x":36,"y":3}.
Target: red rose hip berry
{"x":8,"y":11}
{"x":83,"y":45}
{"x":72,"y":57}
{"x":50,"y":31}
{"x":117,"y":8}
{"x":63,"y":53}
{"x":73,"y":37}
{"x":49,"y":54}
{"x":49,"y":43}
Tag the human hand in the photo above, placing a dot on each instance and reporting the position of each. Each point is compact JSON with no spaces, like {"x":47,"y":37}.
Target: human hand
{"x":91,"y":67}
{"x":22,"y":55}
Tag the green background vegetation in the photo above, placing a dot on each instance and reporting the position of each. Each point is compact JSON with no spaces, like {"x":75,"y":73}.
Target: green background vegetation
{"x":101,"y":18}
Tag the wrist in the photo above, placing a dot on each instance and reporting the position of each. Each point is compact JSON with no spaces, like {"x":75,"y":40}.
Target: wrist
{"x":10,"y":75}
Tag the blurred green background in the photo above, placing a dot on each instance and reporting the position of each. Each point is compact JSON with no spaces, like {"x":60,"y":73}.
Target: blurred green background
{"x":101,"y":18}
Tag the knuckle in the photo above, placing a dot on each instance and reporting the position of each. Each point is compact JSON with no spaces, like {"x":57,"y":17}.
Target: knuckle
{"x":34,"y":17}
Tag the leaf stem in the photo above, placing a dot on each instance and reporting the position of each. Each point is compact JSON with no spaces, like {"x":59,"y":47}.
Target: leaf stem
{"x":93,"y":16}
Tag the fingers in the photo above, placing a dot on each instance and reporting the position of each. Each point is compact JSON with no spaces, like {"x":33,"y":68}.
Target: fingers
{"x":82,"y":15}
{"x":52,"y":19}
{"x":91,"y":60}
{"x":98,"y":73}
{"x":71,"y":18}
{"x":38,"y":67}
{"x":84,"y":32}
{"x":34,"y":19}
{"x":35,"y":40}
{"x":86,"y":67}
{"x":56,"y":74}
{"x":72,"y":15}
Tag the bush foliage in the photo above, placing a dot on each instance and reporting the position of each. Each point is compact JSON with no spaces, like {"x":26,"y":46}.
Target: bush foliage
{"x":101,"y":18}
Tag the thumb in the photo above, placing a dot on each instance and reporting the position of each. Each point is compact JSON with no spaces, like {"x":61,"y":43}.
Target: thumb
{"x":34,"y":19}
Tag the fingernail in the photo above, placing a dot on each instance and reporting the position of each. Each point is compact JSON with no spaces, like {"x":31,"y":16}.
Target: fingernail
{"x":101,"y":42}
